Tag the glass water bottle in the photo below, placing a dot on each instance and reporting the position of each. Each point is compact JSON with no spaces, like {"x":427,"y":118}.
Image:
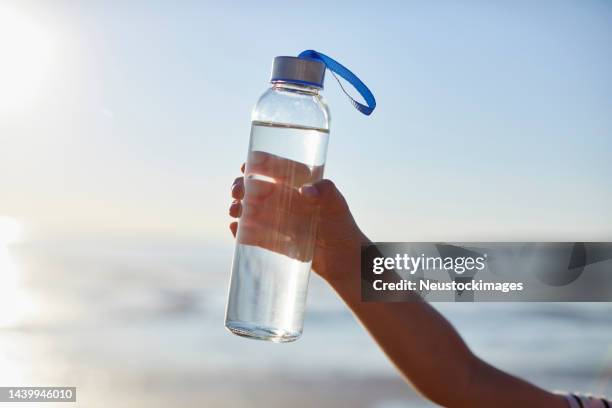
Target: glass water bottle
{"x":276,"y":230}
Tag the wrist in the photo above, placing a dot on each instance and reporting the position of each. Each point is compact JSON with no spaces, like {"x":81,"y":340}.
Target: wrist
{"x":346,"y":276}
{"x":347,"y":283}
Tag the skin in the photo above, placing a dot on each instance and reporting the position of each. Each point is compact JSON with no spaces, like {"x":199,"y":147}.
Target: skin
{"x":422,"y":344}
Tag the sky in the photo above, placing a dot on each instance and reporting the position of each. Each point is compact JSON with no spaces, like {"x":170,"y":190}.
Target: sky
{"x":131,"y":119}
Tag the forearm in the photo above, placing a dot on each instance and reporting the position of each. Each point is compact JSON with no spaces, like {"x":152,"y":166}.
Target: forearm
{"x":433,"y":357}
{"x":421,"y":344}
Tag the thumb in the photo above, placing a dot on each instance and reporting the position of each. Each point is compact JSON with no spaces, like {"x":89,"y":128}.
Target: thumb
{"x":325,"y":194}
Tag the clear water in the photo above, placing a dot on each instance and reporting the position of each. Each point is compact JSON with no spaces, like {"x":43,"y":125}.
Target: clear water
{"x":276,"y":231}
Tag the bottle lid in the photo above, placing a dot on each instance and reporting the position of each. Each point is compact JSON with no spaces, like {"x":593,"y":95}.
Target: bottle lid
{"x":303,"y":71}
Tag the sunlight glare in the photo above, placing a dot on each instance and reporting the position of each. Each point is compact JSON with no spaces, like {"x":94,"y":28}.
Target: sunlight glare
{"x":26,"y":54}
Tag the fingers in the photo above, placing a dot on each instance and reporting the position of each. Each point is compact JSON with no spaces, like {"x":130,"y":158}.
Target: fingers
{"x":325,"y":194}
{"x":235,"y":210}
{"x":294,"y":244}
{"x":274,"y":216}
{"x":276,"y":198}
{"x":290,"y":218}
{"x":259,"y":190}
{"x":238,"y":188}
{"x":282,"y":170}
{"x":278,"y":231}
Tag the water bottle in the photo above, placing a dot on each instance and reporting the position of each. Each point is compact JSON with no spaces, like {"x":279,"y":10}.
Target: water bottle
{"x":277,"y":227}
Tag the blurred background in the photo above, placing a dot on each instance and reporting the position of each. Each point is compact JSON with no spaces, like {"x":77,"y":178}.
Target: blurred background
{"x":123,"y":125}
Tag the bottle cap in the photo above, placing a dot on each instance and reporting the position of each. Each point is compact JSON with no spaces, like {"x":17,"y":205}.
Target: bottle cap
{"x":303,"y":71}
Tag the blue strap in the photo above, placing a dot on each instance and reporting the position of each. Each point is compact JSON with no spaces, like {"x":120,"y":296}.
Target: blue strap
{"x":336,"y":68}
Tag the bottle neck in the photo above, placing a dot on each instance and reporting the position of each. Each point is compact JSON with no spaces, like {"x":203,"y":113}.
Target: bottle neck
{"x":293,"y":87}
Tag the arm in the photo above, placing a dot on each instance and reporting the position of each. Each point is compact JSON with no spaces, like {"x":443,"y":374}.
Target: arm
{"x":431,"y":355}
{"x":423,"y":345}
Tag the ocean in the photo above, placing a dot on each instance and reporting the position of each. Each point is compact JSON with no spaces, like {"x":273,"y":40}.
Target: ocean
{"x":141,"y":325}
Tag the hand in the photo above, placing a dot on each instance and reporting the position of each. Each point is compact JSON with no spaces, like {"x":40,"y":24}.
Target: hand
{"x":281,"y":203}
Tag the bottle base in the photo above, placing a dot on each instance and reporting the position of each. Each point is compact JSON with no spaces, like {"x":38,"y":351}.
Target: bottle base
{"x":256,"y":332}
